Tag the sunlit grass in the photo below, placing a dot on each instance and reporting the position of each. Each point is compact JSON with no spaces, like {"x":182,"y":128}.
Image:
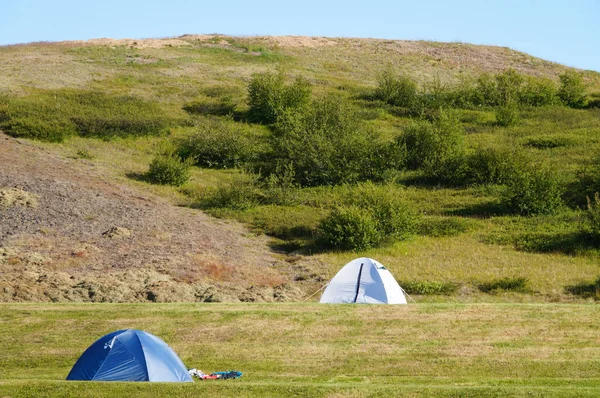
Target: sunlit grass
{"x":317,"y":350}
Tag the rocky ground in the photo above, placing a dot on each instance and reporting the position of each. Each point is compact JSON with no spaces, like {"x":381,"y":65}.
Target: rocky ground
{"x":69,"y":233}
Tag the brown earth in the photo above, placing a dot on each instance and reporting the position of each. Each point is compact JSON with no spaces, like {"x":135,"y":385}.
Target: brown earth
{"x":92,"y":239}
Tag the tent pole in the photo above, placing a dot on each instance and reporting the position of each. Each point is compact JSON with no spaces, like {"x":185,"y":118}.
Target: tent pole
{"x":404,"y":291}
{"x":323,"y":287}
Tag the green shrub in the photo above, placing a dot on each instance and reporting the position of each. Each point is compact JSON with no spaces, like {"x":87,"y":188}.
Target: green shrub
{"x":350,"y":228}
{"x":429,"y":287}
{"x":532,"y":191}
{"x":508,"y":114}
{"x":509,"y":85}
{"x":463,"y":95}
{"x":280,"y":189}
{"x":169,"y":169}
{"x":492,"y":166}
{"x":429,"y":143}
{"x":325,"y":144}
{"x":487,"y":90}
{"x":55,"y":115}
{"x":435,"y":147}
{"x":242,"y":193}
{"x":106,"y":116}
{"x":586,"y":184}
{"x":219,"y":144}
{"x":393,"y":216}
{"x":538,"y":92}
{"x":269,"y":96}
{"x":396,"y":90}
{"x":572,"y":91}
{"x":40,"y":129}
{"x":517,"y":284}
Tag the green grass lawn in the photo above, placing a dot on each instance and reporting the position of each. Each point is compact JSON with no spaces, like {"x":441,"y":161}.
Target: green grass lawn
{"x":312,"y":350}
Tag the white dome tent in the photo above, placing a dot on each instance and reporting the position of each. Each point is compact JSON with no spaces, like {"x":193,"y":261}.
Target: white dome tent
{"x":363,"y":281}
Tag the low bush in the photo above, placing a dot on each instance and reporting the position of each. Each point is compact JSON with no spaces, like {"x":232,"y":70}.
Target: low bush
{"x":532,"y":191}
{"x":350,"y":228}
{"x":280,"y":189}
{"x":325,"y":144}
{"x":586,"y":184}
{"x":220,"y":144}
{"x":508,"y":115}
{"x":269,"y":96}
{"x":55,"y":115}
{"x":394,"y":216}
{"x":572,"y":91}
{"x":492,"y":166}
{"x":517,"y":284}
{"x":538,"y":92}
{"x":429,"y":287}
{"x":40,"y":129}
{"x":369,"y":205}
{"x":396,"y":90}
{"x":435,"y":147}
{"x":169,"y":169}
{"x":242,"y":193}
{"x":429,"y":144}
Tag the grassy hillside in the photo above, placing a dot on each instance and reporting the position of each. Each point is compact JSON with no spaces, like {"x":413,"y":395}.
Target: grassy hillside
{"x":312,"y":350}
{"x":499,"y":213}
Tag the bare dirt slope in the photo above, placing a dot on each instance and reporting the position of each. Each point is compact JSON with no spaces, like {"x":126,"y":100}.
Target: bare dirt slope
{"x":69,"y":234}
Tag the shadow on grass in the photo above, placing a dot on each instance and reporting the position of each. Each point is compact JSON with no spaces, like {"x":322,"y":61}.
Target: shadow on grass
{"x":517,"y":284}
{"x":297,"y":239}
{"x":565,"y":243}
{"x":142,"y":177}
{"x":481,"y":210}
{"x":585,"y":290}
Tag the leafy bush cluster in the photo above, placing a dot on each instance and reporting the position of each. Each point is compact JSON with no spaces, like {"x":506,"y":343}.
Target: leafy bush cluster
{"x":169,"y":169}
{"x":220,"y":144}
{"x":435,"y":147}
{"x":55,"y":115}
{"x":243,"y":193}
{"x":533,"y":191}
{"x":324,"y":143}
{"x":572,"y":90}
{"x":508,"y":90}
{"x":397,"y":90}
{"x":438,"y":149}
{"x":371,"y":216}
{"x":269,"y":96}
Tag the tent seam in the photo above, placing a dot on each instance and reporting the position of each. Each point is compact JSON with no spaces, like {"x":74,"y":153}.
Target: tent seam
{"x":143,"y":353}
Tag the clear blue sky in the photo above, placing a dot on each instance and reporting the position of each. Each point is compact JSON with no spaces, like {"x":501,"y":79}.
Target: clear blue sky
{"x":565,"y":31}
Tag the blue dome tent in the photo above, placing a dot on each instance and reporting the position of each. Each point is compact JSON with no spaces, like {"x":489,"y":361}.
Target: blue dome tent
{"x":129,"y":355}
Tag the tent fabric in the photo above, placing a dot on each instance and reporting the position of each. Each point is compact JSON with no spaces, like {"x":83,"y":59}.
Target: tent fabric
{"x":363,"y":281}
{"x":129,"y":355}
